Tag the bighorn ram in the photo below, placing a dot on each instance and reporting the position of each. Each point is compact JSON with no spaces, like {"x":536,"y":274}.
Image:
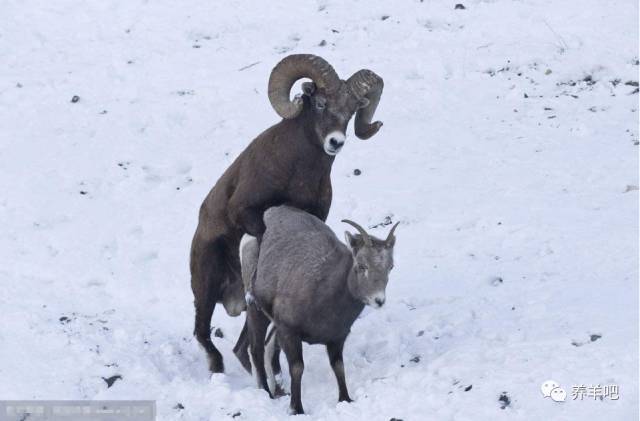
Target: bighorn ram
{"x":289,"y":163}
{"x":312,"y":288}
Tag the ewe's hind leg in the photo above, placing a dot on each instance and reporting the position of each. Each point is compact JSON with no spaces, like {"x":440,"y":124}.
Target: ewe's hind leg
{"x":257,"y":324}
{"x":272,"y":357}
{"x":292,"y":346}
{"x":207,"y":274}
{"x":334,"y":350}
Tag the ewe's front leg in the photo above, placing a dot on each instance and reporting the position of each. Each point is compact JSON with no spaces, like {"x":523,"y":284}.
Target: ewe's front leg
{"x":334,"y":350}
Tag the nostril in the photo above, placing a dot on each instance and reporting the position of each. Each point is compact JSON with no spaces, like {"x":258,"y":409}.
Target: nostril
{"x":334,"y":142}
{"x":379,"y":301}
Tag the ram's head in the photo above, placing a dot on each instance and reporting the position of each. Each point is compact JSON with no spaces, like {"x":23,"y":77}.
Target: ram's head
{"x":327,"y":101}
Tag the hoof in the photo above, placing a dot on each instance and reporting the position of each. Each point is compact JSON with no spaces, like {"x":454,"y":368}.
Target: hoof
{"x":279,"y":391}
{"x":294,"y":411}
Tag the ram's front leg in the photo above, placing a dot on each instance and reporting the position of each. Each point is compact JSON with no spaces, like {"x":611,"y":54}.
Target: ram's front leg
{"x":247,"y":214}
{"x":324,"y":200}
{"x":250,"y":219}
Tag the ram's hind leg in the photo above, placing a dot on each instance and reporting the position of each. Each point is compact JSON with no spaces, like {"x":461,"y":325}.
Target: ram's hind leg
{"x":207,"y":275}
{"x":241,"y":349}
{"x":249,"y":248}
{"x":204,"y":311}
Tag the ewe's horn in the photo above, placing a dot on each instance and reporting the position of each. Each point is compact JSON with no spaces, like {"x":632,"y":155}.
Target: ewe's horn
{"x":288,"y":71}
{"x":366,"y":84}
{"x":390,"y":236}
{"x":365,"y":236}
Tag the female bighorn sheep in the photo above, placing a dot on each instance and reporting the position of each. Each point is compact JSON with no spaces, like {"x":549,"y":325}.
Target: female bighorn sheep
{"x":312,"y":288}
{"x":289,"y":163}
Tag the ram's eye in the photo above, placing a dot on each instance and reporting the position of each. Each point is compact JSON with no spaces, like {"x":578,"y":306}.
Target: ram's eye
{"x":362,"y":267}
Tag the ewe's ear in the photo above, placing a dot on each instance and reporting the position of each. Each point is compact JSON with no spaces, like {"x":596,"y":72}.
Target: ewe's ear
{"x":308,"y":88}
{"x":352,"y":241}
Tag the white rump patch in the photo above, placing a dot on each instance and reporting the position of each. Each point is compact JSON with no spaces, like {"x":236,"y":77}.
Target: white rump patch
{"x":244,"y":240}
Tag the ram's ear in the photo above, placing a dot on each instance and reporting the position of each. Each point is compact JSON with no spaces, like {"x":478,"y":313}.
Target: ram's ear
{"x":363,"y":103}
{"x":308,"y":88}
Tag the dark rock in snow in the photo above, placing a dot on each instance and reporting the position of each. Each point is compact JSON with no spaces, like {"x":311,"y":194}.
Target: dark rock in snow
{"x":387,"y":221}
{"x":504,"y":400}
{"x":75,"y":99}
{"x":111,"y":380}
{"x":594,"y":337}
{"x":468,"y":388}
{"x":415,"y":359}
{"x":236,"y":414}
{"x":459,"y":6}
{"x":178,"y":406}
{"x":497,"y":281}
{"x":357,"y":172}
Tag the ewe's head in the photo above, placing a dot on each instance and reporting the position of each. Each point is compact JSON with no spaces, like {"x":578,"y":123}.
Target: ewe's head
{"x":372,"y":262}
{"x":329,"y":101}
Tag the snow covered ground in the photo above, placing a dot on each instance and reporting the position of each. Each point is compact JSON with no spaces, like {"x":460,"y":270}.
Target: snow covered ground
{"x":509,"y":152}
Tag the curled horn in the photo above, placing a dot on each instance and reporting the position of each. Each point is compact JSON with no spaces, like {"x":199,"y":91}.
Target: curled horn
{"x":288,"y":71}
{"x":390,"y":236}
{"x":366,"y":84}
{"x":365,"y":236}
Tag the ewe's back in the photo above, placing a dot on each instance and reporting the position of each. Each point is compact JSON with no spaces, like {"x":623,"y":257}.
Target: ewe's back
{"x":296,"y":248}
